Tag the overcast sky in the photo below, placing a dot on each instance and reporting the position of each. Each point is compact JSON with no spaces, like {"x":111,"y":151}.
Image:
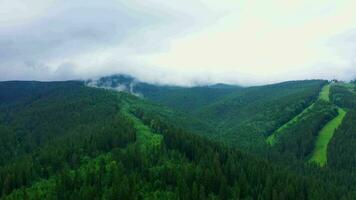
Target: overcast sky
{"x":181,"y":42}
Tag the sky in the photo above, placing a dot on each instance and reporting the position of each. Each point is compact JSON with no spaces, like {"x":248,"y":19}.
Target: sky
{"x":180,"y":42}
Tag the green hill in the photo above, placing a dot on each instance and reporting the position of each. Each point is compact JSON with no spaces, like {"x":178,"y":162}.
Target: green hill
{"x":64,"y":140}
{"x":74,"y":142}
{"x":246,"y":116}
{"x":326,"y":133}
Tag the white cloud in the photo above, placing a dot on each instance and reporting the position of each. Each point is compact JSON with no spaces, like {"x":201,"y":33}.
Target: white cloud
{"x":179,"y":42}
{"x":270,"y":40}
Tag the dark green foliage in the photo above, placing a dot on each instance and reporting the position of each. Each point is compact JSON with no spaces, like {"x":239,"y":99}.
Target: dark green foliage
{"x":298,"y":139}
{"x":80,"y":143}
{"x":241,"y":117}
{"x":14,"y":91}
{"x":343,"y":96}
{"x":235,"y":171}
{"x":244,"y":119}
{"x":68,"y":109}
{"x":341,"y":152}
{"x":187,"y":99}
{"x":43,"y":135}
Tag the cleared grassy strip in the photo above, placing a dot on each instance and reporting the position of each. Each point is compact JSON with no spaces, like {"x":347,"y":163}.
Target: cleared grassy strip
{"x":324,"y":94}
{"x":145,"y":137}
{"x":319,"y":155}
{"x":272,"y":139}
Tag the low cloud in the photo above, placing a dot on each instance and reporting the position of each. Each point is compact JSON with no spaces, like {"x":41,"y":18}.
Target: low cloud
{"x":178,"y":42}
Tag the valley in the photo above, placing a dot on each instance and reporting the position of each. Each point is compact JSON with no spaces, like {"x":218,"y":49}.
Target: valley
{"x":177,"y":100}
{"x":323,"y":95}
{"x":65,"y":140}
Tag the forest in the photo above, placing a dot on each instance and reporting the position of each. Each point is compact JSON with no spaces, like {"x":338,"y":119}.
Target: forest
{"x":64,"y":140}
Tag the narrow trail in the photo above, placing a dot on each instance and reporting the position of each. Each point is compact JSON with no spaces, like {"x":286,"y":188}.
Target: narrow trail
{"x":272,"y":139}
{"x":319,"y":154}
{"x":146,"y":138}
{"x":323,"y":95}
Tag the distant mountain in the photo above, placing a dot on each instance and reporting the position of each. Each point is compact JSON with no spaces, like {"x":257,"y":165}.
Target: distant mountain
{"x":185,"y":99}
{"x":121,"y":83}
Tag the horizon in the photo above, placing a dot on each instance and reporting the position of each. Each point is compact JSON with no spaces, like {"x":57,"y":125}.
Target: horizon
{"x":206,"y":84}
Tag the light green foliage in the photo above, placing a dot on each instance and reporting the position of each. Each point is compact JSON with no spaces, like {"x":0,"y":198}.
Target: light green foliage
{"x":324,"y":94}
{"x":298,"y":139}
{"x":319,"y":155}
{"x":145,"y":137}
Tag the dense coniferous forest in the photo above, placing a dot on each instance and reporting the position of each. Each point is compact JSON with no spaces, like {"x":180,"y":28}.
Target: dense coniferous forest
{"x":234,"y":115}
{"x":65,"y":140}
{"x":299,"y":138}
{"x":341,"y":154}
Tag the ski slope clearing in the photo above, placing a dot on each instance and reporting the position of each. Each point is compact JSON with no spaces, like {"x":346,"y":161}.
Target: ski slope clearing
{"x":319,"y":155}
{"x":324,"y":95}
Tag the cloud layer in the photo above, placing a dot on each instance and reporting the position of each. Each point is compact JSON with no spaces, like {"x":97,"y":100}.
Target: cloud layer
{"x":178,"y":42}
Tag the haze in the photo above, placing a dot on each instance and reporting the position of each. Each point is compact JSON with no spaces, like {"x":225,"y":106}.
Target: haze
{"x":183,"y":42}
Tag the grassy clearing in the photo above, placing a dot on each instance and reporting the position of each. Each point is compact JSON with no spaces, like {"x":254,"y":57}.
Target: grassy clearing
{"x":324,"y":94}
{"x":319,"y":155}
{"x":145,"y":137}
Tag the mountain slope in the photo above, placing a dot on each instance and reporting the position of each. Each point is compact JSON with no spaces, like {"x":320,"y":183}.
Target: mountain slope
{"x":319,"y":154}
{"x":238,"y":116}
{"x":186,"y":99}
{"x":77,"y":142}
{"x":246,"y":118}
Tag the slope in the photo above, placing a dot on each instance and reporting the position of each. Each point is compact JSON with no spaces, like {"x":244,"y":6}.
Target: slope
{"x":185,"y":99}
{"x":246,"y":118}
{"x":88,"y":143}
{"x":308,"y":134}
{"x":238,"y":116}
{"x":273,"y":138}
{"x":319,"y":154}
{"x":342,"y":146}
{"x":323,"y":95}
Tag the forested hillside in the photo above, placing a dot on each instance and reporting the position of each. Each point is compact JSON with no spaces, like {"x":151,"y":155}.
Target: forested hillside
{"x":69,"y":141}
{"x":242,"y":117}
{"x":341,"y":153}
{"x":299,"y":138}
{"x":239,"y":116}
{"x":185,"y":99}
